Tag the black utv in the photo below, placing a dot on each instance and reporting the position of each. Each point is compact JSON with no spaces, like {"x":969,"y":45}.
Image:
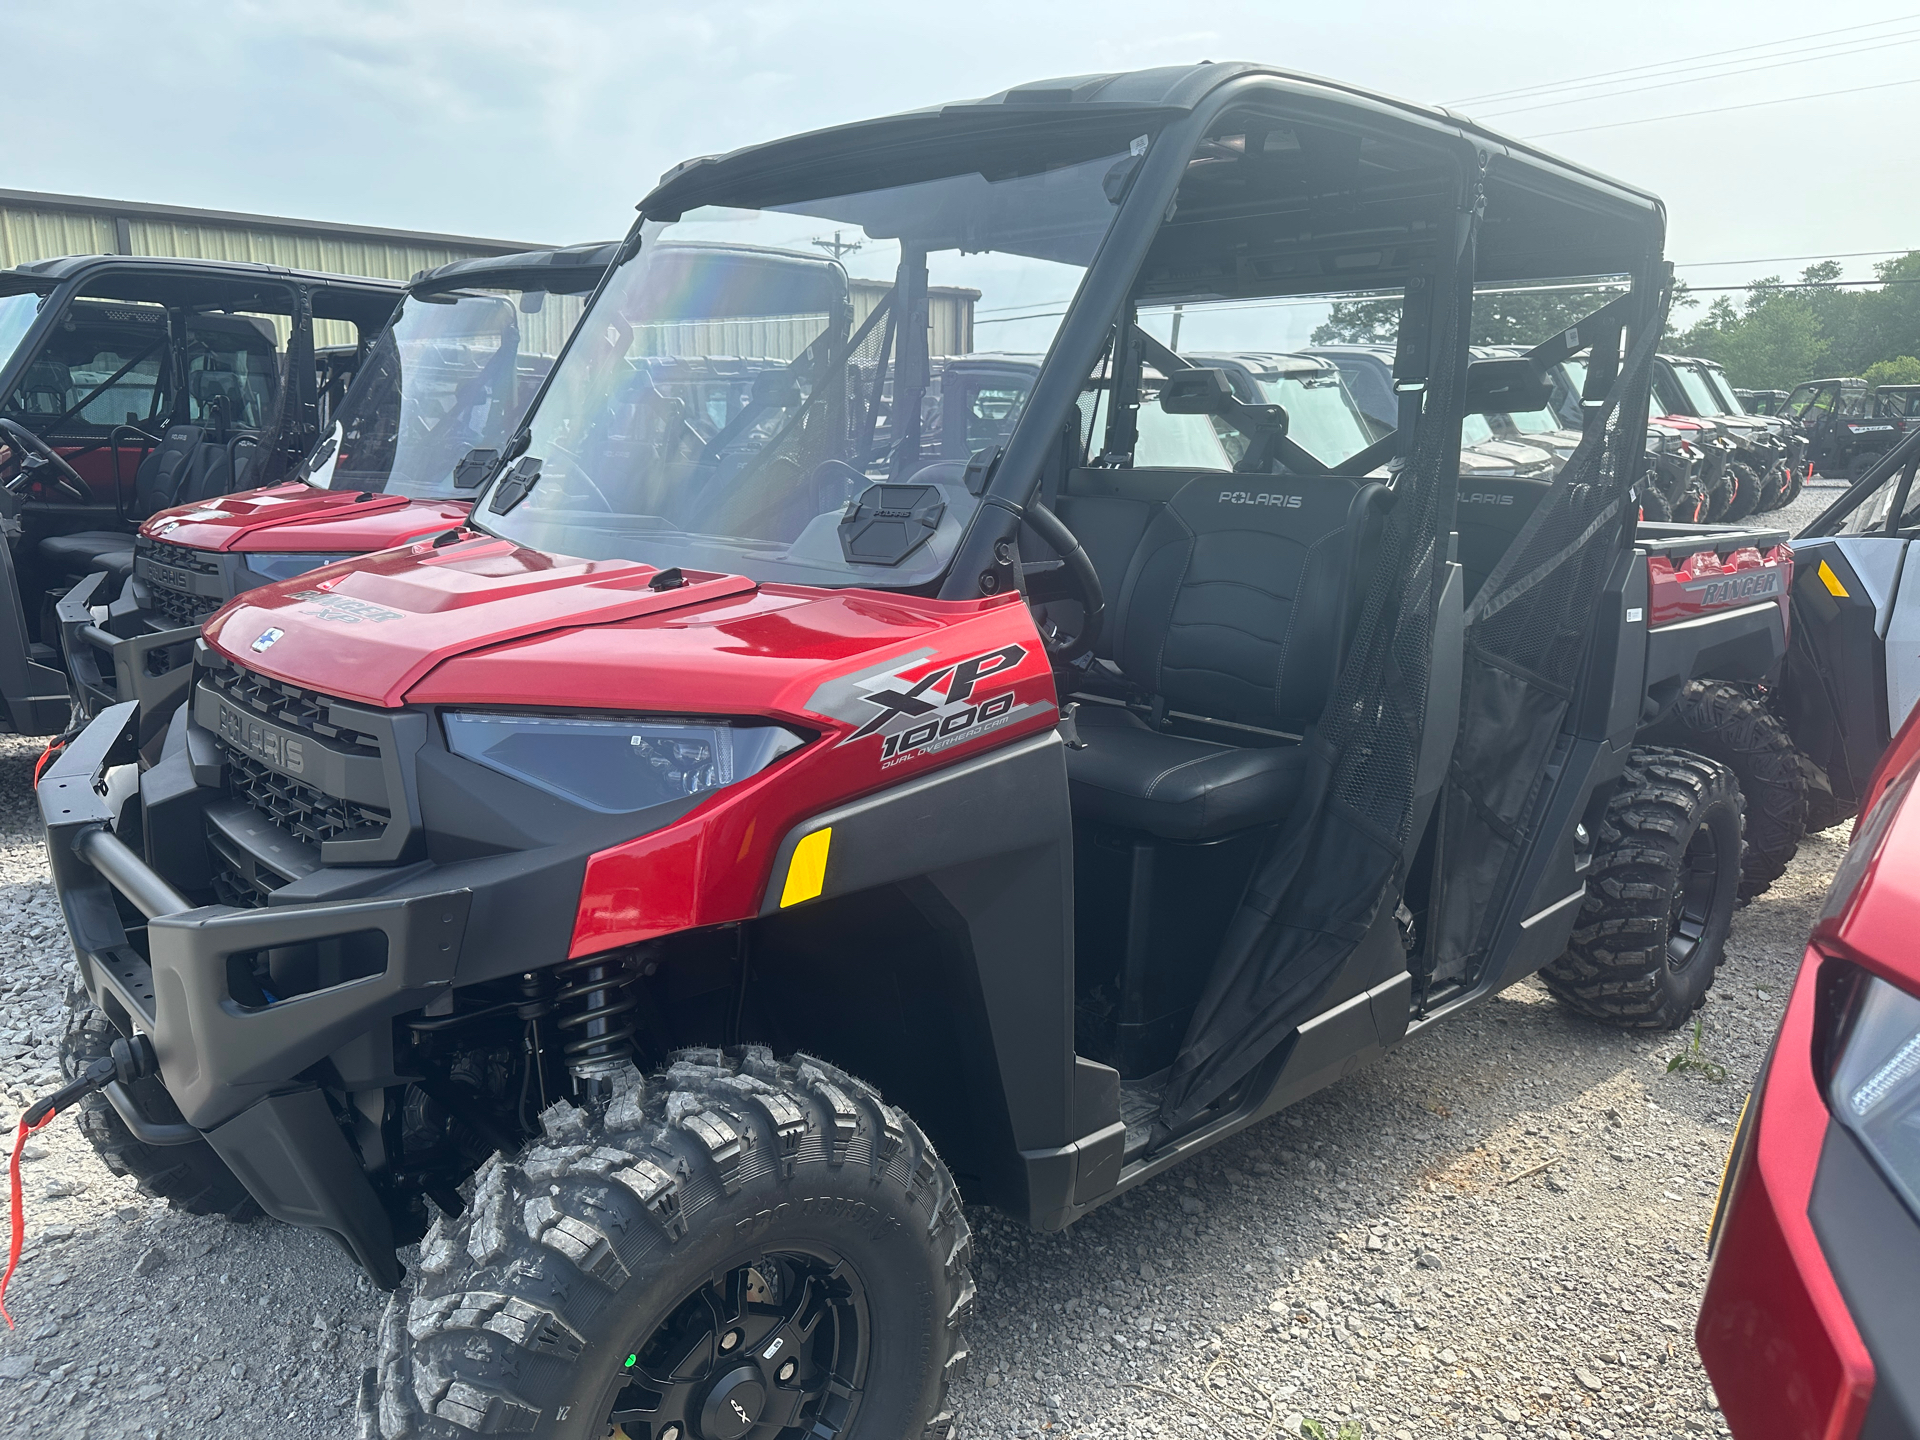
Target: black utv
{"x":667,"y":899}
{"x":128,"y":384}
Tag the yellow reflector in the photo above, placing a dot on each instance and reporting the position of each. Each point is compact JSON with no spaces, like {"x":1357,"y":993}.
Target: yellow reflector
{"x":807,"y":871}
{"x":1831,"y":580}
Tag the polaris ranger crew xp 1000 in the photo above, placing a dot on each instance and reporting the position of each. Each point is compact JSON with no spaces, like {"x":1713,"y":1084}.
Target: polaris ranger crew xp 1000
{"x":452,"y":371}
{"x":667,"y":902}
{"x":131,"y":383}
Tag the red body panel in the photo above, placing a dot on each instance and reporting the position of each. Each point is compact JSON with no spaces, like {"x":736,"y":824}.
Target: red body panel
{"x":295,"y":518}
{"x":1708,"y":581}
{"x":1774,"y":1332}
{"x":97,"y":469}
{"x":488,"y":624}
{"x":1785,"y":1355}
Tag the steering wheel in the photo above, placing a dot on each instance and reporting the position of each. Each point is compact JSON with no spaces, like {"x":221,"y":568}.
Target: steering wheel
{"x":1071,"y":577}
{"x":34,"y":455}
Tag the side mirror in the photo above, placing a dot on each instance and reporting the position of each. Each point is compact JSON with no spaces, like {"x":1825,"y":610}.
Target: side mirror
{"x":1197,"y":392}
{"x":1505,"y":387}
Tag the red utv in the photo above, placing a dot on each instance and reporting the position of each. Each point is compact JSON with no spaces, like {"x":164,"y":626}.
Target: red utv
{"x":666,"y":899}
{"x":452,"y":371}
{"x":1811,"y":1322}
{"x":132,"y":383}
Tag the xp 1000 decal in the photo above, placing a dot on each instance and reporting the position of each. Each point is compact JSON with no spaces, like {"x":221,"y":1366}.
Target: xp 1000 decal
{"x":923,"y":703}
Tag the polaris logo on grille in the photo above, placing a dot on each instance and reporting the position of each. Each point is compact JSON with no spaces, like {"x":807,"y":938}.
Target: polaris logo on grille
{"x":268,"y":637}
{"x":1254,"y":497}
{"x":173,"y":579}
{"x":277,"y":748}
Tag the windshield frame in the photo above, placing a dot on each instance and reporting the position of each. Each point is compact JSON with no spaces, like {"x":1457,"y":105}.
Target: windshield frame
{"x":13,"y":334}
{"x":1696,"y":389}
{"x":649,"y":232}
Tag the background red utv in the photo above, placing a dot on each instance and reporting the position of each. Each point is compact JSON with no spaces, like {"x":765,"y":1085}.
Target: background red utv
{"x":1811,"y":1323}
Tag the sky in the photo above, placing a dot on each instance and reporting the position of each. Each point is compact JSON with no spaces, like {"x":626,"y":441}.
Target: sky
{"x":545,"y":122}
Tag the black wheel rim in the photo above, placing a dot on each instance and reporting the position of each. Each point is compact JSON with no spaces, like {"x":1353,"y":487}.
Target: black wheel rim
{"x":776,"y":1346}
{"x":1691,"y":910}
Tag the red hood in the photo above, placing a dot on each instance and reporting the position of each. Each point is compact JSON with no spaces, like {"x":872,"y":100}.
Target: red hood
{"x":298,"y":518}
{"x":488,"y":622}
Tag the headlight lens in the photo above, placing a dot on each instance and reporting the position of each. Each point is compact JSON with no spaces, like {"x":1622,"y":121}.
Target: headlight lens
{"x":1875,"y":1090}
{"x":286,"y":566}
{"x":615,"y":766}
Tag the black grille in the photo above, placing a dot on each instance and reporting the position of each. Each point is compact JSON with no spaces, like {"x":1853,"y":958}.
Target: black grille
{"x":291,"y":706}
{"x":300,"y":810}
{"x":179,"y":606}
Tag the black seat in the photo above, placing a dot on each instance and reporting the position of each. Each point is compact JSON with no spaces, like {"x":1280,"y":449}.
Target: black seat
{"x":1487,"y":517}
{"x":1235,"y":607}
{"x":187,"y":466}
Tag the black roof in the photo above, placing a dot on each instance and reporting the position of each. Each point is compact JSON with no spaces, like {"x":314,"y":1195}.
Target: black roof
{"x":1542,"y":210}
{"x":570,"y":270}
{"x":67,"y":267}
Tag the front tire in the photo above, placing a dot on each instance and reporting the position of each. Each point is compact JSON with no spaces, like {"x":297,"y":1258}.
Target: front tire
{"x":738,"y":1249}
{"x":1660,"y":894}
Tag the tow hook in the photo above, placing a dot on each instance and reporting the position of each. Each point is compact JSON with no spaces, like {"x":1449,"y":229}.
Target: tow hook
{"x":129,"y":1060}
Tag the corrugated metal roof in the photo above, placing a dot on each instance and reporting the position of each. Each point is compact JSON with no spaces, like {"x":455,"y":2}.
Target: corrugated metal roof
{"x":38,"y":226}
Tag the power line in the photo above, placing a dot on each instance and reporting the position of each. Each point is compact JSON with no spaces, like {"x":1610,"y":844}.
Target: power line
{"x":1631,"y":71}
{"x":1783,"y":259}
{"x":1883,"y":42}
{"x":1722,"y":109}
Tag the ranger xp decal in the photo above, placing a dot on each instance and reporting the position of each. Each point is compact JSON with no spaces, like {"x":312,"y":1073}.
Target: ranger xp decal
{"x":918,"y":705}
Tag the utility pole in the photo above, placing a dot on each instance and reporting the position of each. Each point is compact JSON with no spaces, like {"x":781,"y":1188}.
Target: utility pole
{"x":837,"y":247}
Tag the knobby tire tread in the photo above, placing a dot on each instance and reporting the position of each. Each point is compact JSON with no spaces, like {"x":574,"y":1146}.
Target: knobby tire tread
{"x":482,"y":1336}
{"x":1615,"y":967}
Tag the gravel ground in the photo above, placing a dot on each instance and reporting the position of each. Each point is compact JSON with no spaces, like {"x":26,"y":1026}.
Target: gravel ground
{"x":1497,"y":1231}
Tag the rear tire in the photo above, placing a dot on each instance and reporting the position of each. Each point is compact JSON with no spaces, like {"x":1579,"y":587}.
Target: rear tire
{"x":1660,"y":894}
{"x":1653,"y":505}
{"x":596,"y":1259}
{"x":1732,"y":724}
{"x":192,"y":1177}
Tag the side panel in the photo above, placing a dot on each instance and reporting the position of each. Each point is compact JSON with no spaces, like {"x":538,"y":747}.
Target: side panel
{"x":1902,"y":630}
{"x":987,"y":845}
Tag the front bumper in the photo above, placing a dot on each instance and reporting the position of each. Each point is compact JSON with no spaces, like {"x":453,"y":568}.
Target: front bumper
{"x":161,"y":966}
{"x":148,"y":666}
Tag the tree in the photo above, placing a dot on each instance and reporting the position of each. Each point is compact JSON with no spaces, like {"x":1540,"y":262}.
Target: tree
{"x":1502,"y":315}
{"x":1777,"y":337}
{"x":1904,"y":370}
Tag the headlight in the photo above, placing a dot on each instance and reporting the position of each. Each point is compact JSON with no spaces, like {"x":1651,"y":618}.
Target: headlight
{"x":1875,"y":1089}
{"x":285,"y":567}
{"x":614,"y":766}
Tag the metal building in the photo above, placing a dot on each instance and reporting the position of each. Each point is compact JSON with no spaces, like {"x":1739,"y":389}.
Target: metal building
{"x":36,"y":226}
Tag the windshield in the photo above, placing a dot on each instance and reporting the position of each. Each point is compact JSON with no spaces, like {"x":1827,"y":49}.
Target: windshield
{"x":1729,"y":397}
{"x":1321,"y":416}
{"x":452,"y":372}
{"x":1804,"y":398}
{"x":1474,"y":430}
{"x":1534,"y":422}
{"x":1869,"y":516}
{"x":1699,"y":394}
{"x":743,"y":387}
{"x":16,"y":314}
